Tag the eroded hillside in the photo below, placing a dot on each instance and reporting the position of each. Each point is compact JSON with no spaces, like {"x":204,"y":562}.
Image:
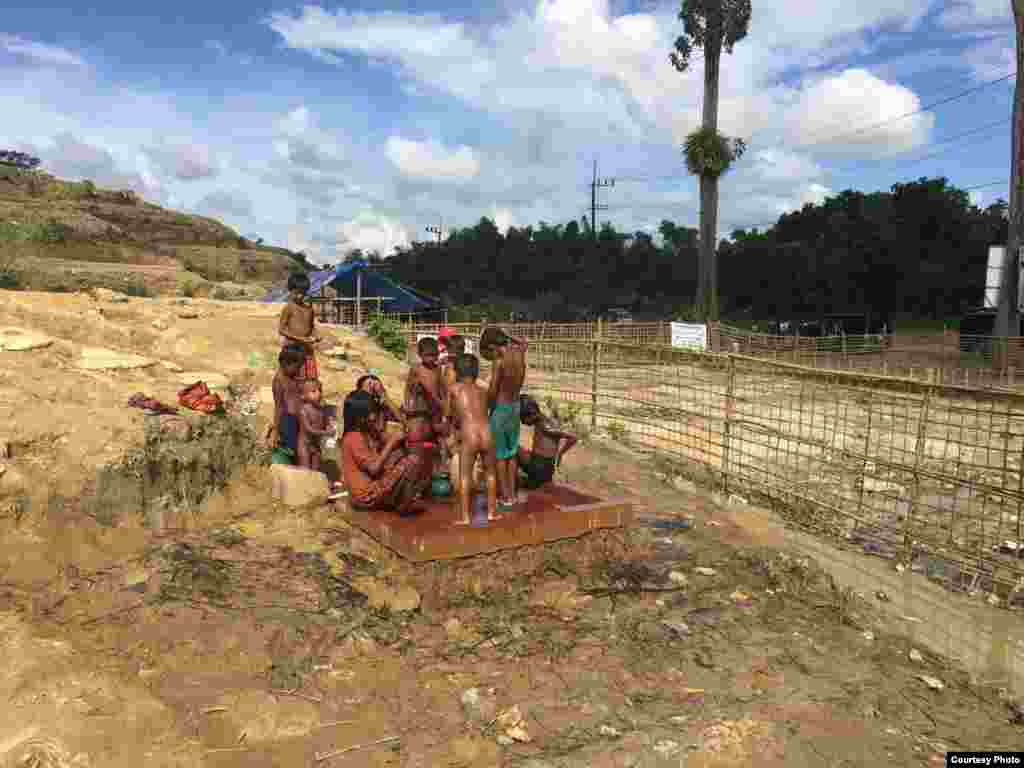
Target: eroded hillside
{"x":64,"y":236}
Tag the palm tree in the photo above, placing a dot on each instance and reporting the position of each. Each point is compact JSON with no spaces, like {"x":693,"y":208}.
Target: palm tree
{"x":710,"y":25}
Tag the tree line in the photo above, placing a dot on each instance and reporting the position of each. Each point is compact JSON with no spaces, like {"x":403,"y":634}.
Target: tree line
{"x":920,"y":249}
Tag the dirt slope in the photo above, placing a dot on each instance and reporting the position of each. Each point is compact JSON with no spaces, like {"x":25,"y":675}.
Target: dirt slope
{"x":53,"y":232}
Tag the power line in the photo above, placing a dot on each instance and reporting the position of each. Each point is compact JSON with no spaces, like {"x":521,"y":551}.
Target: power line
{"x":880,"y":163}
{"x":921,"y":110}
{"x":947,"y":140}
{"x":926,"y":108}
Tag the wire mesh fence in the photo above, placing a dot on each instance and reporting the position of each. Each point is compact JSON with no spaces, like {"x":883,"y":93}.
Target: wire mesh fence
{"x":942,"y":358}
{"x":926,"y":473}
{"x":871,"y":470}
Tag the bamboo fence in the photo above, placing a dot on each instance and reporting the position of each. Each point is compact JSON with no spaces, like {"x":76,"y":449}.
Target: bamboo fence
{"x":926,"y":473}
{"x":943,"y":358}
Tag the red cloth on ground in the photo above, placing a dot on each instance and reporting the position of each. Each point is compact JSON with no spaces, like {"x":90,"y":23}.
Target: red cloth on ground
{"x":198,"y":397}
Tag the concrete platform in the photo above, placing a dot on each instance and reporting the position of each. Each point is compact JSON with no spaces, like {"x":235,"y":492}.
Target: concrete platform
{"x":549,"y":514}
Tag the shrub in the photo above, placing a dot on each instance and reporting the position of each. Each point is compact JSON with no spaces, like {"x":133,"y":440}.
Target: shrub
{"x":21,"y":160}
{"x":188,"y":289}
{"x":388,"y":335}
{"x":617,"y":431}
{"x":136,"y":289}
{"x":53,"y":232}
{"x":566,"y":414}
{"x":9,"y":279}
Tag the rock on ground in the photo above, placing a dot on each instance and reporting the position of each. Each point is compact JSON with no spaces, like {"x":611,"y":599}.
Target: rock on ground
{"x":20,"y":340}
{"x":99,"y":359}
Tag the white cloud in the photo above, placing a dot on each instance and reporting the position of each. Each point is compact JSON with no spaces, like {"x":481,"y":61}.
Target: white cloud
{"x":185,"y":161}
{"x":226,"y":202}
{"x":855,"y":113}
{"x":775,"y":165}
{"x":296,"y":122}
{"x":502,"y":218}
{"x":968,"y":15}
{"x":372,"y":231}
{"x":991,"y":58}
{"x":40,"y":53}
{"x":432,"y":160}
{"x":607,"y":75}
{"x":69,"y":157}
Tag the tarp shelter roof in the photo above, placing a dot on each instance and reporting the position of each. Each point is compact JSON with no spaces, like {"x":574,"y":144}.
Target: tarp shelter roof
{"x":400,"y":298}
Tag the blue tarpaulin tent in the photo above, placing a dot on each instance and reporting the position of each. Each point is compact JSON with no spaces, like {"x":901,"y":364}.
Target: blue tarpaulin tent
{"x":343,"y":279}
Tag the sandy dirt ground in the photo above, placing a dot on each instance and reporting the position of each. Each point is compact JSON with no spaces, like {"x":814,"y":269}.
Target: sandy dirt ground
{"x":250,"y":635}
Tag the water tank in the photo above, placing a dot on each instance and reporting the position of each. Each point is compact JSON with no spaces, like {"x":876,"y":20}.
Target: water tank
{"x":993,"y":275}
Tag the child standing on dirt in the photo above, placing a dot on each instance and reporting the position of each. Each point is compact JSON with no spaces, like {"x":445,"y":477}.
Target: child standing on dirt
{"x":509,"y":371}
{"x":284,"y":431}
{"x":297,"y":324}
{"x":549,"y":446}
{"x":313,"y":426}
{"x":424,"y":402}
{"x":468,"y":407}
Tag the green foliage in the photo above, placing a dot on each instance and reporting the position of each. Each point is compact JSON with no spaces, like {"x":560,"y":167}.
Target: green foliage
{"x":388,"y":335}
{"x":714,"y":24}
{"x":51,"y":232}
{"x":709,"y":153}
{"x":616,"y":431}
{"x":684,"y":313}
{"x":566,"y":414}
{"x":188,"y":289}
{"x":851,"y":252}
{"x":9,"y":279}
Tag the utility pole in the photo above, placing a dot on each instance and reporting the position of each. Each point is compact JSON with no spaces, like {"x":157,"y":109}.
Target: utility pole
{"x":1008,"y":315}
{"x":437,"y":231}
{"x":594,"y":207}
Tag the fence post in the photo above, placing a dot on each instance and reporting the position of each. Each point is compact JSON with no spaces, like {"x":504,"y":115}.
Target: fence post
{"x":595,"y":364}
{"x":1020,"y":496}
{"x":730,"y":403}
{"x":864,"y":465}
{"x":922,"y":426}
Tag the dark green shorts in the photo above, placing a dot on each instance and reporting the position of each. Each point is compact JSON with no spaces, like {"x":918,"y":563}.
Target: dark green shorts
{"x":537,"y":471}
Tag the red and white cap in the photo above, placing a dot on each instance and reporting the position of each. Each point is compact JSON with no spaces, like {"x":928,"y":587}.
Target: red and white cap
{"x":446,"y":332}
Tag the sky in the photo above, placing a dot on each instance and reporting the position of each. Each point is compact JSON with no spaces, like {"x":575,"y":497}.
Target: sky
{"x":328,"y":127}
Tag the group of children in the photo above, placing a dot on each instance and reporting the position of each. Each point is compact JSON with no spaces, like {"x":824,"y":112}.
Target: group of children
{"x":445,"y":413}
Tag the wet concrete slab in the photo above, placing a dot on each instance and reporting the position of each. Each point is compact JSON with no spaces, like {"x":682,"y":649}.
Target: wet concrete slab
{"x":549,"y":514}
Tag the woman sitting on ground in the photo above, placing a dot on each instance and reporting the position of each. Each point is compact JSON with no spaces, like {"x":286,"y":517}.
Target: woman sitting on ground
{"x":370,"y":383}
{"x":379,"y":471}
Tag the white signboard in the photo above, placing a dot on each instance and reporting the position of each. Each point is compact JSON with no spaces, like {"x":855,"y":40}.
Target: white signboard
{"x":690,"y":335}
{"x":470,"y":343}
